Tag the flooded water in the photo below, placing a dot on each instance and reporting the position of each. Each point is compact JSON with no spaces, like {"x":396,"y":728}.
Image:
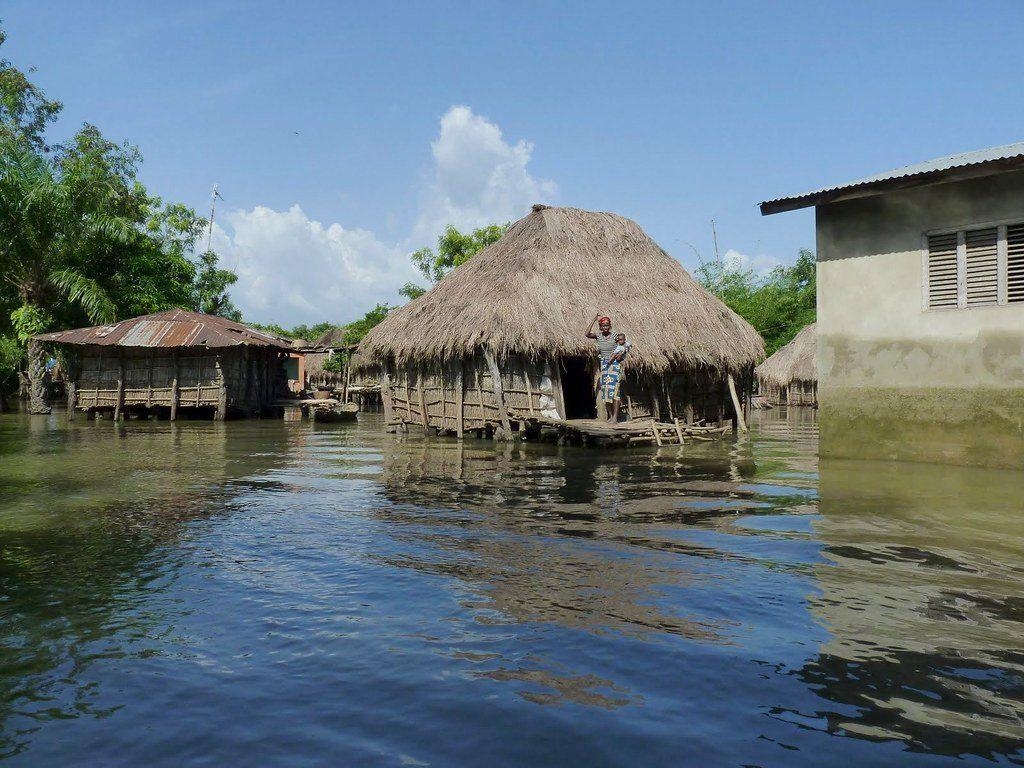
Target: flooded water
{"x":261,"y":593}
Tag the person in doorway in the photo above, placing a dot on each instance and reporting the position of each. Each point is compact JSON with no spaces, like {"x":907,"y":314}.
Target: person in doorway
{"x":611,"y":376}
{"x":604,"y":340}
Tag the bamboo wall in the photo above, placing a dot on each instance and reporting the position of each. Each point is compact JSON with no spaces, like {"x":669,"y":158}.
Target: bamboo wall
{"x":434,"y":396}
{"x":241,"y":379}
{"x":797,"y":393}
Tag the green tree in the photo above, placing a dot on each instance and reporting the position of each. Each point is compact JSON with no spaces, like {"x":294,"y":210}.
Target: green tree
{"x":778,"y":304}
{"x":453,"y":249}
{"x":210,"y":291}
{"x":24,"y":109}
{"x":355,"y":331}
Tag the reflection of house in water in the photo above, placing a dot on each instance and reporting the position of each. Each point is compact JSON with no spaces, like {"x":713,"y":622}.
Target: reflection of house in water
{"x":921,"y":596}
{"x":543,"y":536}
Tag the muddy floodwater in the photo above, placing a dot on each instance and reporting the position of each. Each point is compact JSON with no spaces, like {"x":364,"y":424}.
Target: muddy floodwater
{"x":262,"y":593}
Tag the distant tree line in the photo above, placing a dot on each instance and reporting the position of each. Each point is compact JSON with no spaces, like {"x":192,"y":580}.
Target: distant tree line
{"x":82,"y":241}
{"x":778,"y":304}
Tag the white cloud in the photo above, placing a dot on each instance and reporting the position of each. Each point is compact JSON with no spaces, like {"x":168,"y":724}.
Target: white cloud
{"x":479,"y":178}
{"x":292,"y":269}
{"x":761,"y":264}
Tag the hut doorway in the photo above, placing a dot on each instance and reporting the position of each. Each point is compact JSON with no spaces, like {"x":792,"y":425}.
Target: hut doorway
{"x":578,"y":388}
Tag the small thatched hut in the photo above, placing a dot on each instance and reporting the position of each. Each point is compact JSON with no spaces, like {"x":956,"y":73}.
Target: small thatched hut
{"x":503,"y":334}
{"x":790,"y":376}
{"x":170,"y":361}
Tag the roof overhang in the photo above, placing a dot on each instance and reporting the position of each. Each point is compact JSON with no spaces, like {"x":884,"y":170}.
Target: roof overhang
{"x":893,"y":183}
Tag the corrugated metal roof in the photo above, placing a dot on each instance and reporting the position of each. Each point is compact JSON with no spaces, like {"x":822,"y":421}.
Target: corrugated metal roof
{"x":170,"y":329}
{"x":1007,"y":157}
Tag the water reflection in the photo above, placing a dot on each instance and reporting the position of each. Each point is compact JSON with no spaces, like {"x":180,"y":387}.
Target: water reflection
{"x":409,"y":600}
{"x":922,"y":599}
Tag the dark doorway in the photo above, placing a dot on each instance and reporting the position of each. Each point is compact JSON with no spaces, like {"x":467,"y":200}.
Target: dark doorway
{"x":578,"y":388}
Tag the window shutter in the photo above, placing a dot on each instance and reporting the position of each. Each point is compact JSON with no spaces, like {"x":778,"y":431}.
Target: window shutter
{"x":982,"y":267}
{"x":1015,"y":263}
{"x":942,"y":287}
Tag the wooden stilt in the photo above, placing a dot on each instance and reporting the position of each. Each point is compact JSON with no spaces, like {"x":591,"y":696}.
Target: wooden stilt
{"x":175,"y":393}
{"x":119,"y":405}
{"x":460,"y":393}
{"x":72,"y":397}
{"x":736,"y":405}
{"x":422,"y":399}
{"x":222,"y":391}
{"x":498,"y":393}
{"x":385,"y":396}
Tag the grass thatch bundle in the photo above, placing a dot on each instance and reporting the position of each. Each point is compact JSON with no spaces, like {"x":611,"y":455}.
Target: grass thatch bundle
{"x":534,"y":291}
{"x":793,"y":362}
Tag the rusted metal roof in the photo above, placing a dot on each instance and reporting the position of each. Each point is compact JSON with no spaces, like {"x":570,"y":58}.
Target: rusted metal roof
{"x":170,"y":329}
{"x":982,"y":162}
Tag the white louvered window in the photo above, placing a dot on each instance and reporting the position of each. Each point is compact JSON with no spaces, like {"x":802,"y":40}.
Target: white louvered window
{"x":975,"y":267}
{"x":942,"y":271}
{"x":982,"y":265}
{"x":1015,"y":264}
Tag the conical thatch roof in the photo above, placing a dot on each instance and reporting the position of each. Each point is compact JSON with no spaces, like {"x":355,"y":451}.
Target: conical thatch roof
{"x":535,"y":291}
{"x":793,"y":362}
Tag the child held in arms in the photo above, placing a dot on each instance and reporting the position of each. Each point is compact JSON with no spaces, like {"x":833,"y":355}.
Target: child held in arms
{"x":611,"y":375}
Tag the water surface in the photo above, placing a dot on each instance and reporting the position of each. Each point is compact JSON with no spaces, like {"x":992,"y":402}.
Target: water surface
{"x":262,"y":593}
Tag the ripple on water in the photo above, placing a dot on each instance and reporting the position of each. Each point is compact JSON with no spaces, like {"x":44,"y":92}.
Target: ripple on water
{"x":278,"y":593}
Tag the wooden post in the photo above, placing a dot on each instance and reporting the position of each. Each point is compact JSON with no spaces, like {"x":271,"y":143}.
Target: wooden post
{"x":348,"y":378}
{"x":559,"y":394}
{"x":479,"y":395}
{"x":119,"y":405}
{"x":72,"y":397}
{"x":149,"y":379}
{"x":222,"y":390}
{"x":460,"y":394}
{"x":423,"y":400}
{"x":679,"y":431}
{"x":498,"y":393}
{"x":736,"y":405}
{"x":529,"y":389}
{"x":748,"y":388}
{"x":668,"y":396}
{"x":199,"y":380}
{"x":175,"y":393}
{"x":656,"y":403}
{"x":385,"y":396}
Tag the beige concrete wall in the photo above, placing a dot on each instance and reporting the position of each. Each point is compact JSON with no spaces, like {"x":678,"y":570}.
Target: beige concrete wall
{"x":899,"y":381}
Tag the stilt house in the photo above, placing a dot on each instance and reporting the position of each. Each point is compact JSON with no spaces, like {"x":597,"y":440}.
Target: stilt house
{"x":503,"y":334}
{"x":170,"y":361}
{"x":790,"y":376}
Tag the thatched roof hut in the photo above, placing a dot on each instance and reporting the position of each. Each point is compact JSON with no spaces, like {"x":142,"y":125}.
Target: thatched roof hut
{"x":522,"y":305}
{"x":790,"y":376}
{"x":534,"y":291}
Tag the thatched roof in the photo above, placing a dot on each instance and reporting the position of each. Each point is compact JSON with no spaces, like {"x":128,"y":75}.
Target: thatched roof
{"x":794,"y":362}
{"x":536,"y":289}
{"x":332,"y":339}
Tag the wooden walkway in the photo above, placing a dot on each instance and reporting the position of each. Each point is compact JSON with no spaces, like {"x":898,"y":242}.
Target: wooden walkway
{"x":600,"y":433}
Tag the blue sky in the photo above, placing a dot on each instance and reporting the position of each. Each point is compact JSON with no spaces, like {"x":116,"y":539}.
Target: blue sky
{"x":345,"y":135}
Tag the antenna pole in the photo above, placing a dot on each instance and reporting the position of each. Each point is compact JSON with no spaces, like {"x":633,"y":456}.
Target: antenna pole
{"x":213,"y":210}
{"x":714,"y":236}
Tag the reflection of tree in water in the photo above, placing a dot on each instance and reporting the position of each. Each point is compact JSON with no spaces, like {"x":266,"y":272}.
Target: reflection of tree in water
{"x":922,"y":599}
{"x":86,"y":544}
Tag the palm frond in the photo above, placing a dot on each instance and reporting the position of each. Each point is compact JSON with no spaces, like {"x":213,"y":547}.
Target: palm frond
{"x":79,"y":289}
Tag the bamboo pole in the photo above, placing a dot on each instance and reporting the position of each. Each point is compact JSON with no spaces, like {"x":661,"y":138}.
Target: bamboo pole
{"x":419,"y":392}
{"x":559,"y":394}
{"x":736,"y":405}
{"x":460,"y":393}
{"x":496,"y":383}
{"x":175,"y":393}
{"x":385,"y":396}
{"x":529,"y":389}
{"x":119,"y":405}
{"x":222,"y":390}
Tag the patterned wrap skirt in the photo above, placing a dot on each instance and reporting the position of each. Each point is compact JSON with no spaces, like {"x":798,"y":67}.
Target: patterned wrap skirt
{"x":610,"y":376}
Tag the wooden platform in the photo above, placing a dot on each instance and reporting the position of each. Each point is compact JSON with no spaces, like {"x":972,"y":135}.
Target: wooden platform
{"x":608,"y":434}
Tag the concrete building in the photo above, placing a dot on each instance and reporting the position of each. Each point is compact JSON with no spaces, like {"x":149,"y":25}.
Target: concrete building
{"x":921,"y":310}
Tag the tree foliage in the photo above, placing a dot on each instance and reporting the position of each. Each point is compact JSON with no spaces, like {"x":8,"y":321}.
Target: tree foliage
{"x":81,"y":239}
{"x":778,"y":304}
{"x":453,"y":248}
{"x":355,"y":331}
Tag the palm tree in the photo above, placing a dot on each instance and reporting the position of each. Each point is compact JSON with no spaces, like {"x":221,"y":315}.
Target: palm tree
{"x":55,"y":218}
